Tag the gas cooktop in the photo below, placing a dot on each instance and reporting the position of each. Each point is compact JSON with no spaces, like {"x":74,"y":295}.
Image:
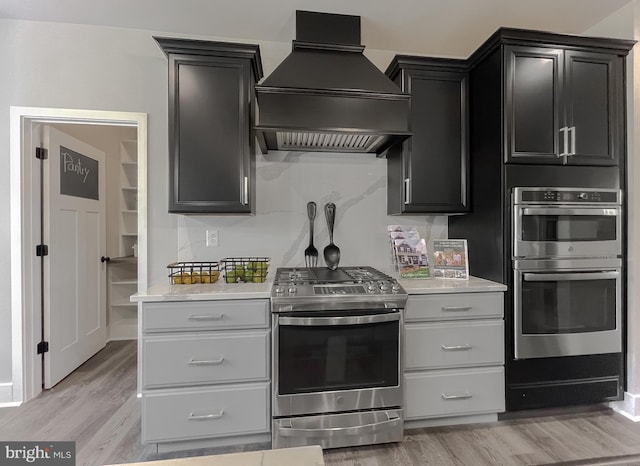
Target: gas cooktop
{"x":296,"y":285}
{"x":320,"y":275}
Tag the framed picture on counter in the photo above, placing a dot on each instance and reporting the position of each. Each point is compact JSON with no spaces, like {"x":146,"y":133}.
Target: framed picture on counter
{"x":450,"y":259}
{"x":408,"y":251}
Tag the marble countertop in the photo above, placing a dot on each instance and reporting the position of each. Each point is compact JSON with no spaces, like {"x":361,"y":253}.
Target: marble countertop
{"x":298,"y":456}
{"x":221,"y":290}
{"x":204,"y":292}
{"x":441,"y":285}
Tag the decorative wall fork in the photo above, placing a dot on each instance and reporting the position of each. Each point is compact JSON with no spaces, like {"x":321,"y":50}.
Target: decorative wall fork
{"x":311,"y":253}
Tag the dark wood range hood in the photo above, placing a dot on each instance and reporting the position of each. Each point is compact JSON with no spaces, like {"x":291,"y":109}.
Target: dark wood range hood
{"x":327,"y":96}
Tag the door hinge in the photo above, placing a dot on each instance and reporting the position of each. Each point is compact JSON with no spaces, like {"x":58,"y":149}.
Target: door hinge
{"x":42,"y":250}
{"x":42,"y":153}
{"x":43,"y":347}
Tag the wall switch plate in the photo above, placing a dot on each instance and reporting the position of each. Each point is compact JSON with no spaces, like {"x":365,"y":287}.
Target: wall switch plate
{"x":212,"y":237}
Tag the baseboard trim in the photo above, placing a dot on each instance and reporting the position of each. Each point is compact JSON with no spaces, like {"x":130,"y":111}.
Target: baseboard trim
{"x":6,"y":393}
{"x":622,"y":460}
{"x":450,"y":421}
{"x":263,"y":439}
{"x":629,"y":407}
{"x":13,"y":404}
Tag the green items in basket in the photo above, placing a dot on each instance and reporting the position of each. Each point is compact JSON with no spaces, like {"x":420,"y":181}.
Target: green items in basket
{"x":248,"y":270}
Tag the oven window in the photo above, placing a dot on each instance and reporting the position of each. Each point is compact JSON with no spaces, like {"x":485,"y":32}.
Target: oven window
{"x":568,"y":228}
{"x":571,"y":306}
{"x":324,"y":358}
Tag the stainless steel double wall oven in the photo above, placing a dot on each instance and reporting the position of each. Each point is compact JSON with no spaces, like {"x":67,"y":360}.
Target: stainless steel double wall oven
{"x":337,"y":357}
{"x":567,"y":280}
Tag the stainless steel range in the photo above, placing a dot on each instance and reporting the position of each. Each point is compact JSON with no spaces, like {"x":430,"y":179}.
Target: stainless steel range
{"x":337,"y":357}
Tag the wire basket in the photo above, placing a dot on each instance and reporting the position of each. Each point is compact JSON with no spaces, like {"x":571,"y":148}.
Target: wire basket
{"x":192,"y":273}
{"x":245,"y":269}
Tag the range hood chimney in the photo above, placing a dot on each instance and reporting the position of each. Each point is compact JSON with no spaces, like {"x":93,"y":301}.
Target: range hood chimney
{"x":327,"y":96}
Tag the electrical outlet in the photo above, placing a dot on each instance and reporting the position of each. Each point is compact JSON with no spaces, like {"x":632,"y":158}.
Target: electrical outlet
{"x":212,"y":237}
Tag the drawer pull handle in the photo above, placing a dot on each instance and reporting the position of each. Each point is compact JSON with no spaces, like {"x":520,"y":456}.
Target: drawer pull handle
{"x":205,"y":362}
{"x":456,"y":308}
{"x":206,"y":417}
{"x":456,"y":348}
{"x":218,"y":317}
{"x":457,"y":397}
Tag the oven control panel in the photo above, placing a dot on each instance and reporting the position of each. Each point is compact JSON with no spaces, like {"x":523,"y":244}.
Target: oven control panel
{"x":566,"y":196}
{"x":356,"y":288}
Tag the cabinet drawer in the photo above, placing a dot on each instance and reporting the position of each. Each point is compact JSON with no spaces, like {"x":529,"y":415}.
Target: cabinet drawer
{"x":451,"y":344}
{"x":169,"y":415}
{"x":454,"y":306}
{"x":196,"y":359}
{"x":205,"y":315}
{"x":454,"y":392}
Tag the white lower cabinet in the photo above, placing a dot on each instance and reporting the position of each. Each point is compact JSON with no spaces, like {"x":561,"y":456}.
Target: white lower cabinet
{"x":454,"y":357}
{"x":204,"y":373}
{"x":224,"y":357}
{"x":454,"y":392}
{"x":201,"y":413}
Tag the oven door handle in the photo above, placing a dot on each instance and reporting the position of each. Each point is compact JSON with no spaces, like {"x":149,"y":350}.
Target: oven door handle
{"x":570,"y":211}
{"x":333,"y":431}
{"x":348,"y":320}
{"x":552,"y":277}
{"x":319,"y":306}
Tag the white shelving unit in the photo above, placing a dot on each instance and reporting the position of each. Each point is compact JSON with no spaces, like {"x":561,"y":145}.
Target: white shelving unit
{"x":129,"y":197}
{"x":123,"y":271}
{"x":123,"y":314}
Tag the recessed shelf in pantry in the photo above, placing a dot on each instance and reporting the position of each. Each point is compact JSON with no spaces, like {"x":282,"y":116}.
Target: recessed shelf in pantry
{"x":130,"y":174}
{"x":128,"y":240}
{"x":124,"y":305}
{"x":133,"y":282}
{"x":129,"y":223}
{"x":129,"y":151}
{"x":129,"y":198}
{"x":123,"y":282}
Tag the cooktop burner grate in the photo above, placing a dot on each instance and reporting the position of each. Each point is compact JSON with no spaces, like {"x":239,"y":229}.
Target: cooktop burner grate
{"x":322,"y":275}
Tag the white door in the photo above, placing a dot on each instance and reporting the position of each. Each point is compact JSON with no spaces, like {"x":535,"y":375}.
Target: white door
{"x":74,"y":277}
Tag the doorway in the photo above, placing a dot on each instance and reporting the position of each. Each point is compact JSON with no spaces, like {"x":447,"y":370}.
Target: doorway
{"x":26,"y":295}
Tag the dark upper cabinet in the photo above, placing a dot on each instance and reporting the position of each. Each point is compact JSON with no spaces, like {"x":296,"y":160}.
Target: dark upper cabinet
{"x":428,"y":173}
{"x":211,"y":114}
{"x":563,"y":105}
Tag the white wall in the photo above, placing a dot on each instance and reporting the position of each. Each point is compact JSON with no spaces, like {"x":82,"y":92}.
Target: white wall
{"x":76,"y":67}
{"x":624,"y":24}
{"x":98,"y":68}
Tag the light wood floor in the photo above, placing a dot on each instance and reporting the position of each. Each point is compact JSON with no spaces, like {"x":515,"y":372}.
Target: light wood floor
{"x":97,"y":408}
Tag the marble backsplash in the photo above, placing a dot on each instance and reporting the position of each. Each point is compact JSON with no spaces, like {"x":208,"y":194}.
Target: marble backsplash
{"x":285,"y":182}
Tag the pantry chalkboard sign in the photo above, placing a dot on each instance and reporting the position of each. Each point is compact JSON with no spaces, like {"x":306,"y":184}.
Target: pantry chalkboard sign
{"x":78,"y":174}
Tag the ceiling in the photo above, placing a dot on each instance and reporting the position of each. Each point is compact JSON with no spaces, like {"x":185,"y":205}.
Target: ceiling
{"x":439,"y":27}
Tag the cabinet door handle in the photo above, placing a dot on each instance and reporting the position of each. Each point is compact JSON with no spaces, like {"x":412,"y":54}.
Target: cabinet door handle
{"x":456,"y":308}
{"x":204,"y":318}
{"x":457,"y":397}
{"x":407,"y":190}
{"x":206,"y":417}
{"x":573,"y":140}
{"x":564,"y":132}
{"x":245,"y":190}
{"x":456,"y":348}
{"x":206,"y":362}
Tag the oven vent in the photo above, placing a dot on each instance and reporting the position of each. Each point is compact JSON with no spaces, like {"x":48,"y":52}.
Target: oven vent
{"x":327,"y":96}
{"x":331,"y":142}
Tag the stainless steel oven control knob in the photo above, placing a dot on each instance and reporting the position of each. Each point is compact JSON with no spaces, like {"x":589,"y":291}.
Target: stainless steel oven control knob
{"x":372,"y":287}
{"x":279,"y":289}
{"x":395,"y":287}
{"x":293,"y":289}
{"x":583,"y":196}
{"x":384,"y":286}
